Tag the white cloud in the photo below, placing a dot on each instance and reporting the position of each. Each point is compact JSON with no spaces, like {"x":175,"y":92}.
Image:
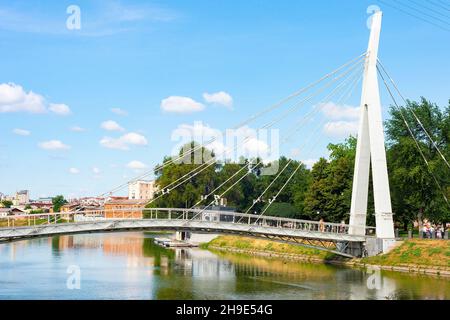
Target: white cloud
{"x":60,"y":109}
{"x":74,"y":171}
{"x":112,"y":143}
{"x":123,"y":142}
{"x":119,"y":111}
{"x":345,"y":119}
{"x":21,"y":132}
{"x":13,"y":98}
{"x":309,"y":162}
{"x":340,"y":112}
{"x":256,"y":147}
{"x":111,"y":125}
{"x":77,"y":129}
{"x":232,"y":144}
{"x":53,"y":145}
{"x":341,"y":128}
{"x":178,"y":104}
{"x":201,"y":134}
{"x":136,"y":165}
{"x":198,"y":131}
{"x":134,"y":138}
{"x":221,"y":98}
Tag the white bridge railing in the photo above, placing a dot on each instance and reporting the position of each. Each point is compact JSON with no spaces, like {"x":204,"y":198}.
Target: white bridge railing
{"x":43,"y":219}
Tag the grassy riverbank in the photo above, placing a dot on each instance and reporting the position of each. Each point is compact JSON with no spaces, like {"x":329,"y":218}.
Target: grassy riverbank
{"x":255,"y":246}
{"x":421,"y":256}
{"x":434,"y":253}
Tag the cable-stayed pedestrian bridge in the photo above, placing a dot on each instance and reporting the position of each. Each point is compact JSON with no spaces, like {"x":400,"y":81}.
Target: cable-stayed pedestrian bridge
{"x":348,"y":240}
{"x":322,"y":235}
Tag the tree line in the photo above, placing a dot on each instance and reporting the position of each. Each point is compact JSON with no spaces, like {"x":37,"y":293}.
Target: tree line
{"x":419,"y":188}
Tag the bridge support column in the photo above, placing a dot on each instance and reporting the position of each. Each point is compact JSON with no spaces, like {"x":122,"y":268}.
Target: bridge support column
{"x":355,"y":249}
{"x":370,"y":150}
{"x":182,"y":235}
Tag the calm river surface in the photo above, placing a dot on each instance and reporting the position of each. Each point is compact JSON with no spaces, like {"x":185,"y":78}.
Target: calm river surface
{"x":131,"y":266}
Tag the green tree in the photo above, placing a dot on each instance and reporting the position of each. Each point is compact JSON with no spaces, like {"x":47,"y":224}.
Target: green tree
{"x":291,"y":194}
{"x":415,"y":193}
{"x":7,"y":203}
{"x":329,"y":194}
{"x":187,"y":194}
{"x":58,"y":202}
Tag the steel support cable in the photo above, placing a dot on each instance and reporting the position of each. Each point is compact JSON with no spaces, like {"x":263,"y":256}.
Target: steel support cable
{"x":414,"y":114}
{"x":315,"y":110}
{"x":430,"y":9}
{"x":286,"y":183}
{"x":293,"y":108}
{"x":414,"y":138}
{"x":441,"y":4}
{"x":290,"y":160}
{"x":424,"y":13}
{"x":281,"y":171}
{"x":243,"y":123}
{"x":358,"y":77}
{"x":414,"y":15}
{"x":298,"y":167}
{"x":269,"y":124}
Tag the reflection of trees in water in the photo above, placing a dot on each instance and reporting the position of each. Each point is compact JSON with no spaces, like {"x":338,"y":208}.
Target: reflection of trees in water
{"x":55,"y":246}
{"x":195,"y":273}
{"x":414,"y":286}
{"x":163,"y":258}
{"x":203,"y":264}
{"x":247,"y":265}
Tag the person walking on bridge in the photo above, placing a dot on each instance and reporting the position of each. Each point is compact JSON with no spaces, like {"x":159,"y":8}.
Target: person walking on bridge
{"x":321,"y":225}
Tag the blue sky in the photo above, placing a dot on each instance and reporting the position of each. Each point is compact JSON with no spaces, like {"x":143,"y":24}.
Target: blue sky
{"x":132,"y":55}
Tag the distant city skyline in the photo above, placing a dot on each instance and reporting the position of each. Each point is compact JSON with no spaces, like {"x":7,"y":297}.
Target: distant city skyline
{"x":83,"y":111}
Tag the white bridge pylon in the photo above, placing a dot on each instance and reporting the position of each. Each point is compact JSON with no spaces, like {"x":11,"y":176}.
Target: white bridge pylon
{"x":371,"y":150}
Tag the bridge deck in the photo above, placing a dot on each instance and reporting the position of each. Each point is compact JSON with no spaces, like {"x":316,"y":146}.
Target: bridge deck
{"x":175,"y":219}
{"x":280,"y":229}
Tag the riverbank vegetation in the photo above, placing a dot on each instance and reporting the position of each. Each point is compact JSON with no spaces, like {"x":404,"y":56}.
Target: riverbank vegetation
{"x":434,"y":253}
{"x":325,"y":190}
{"x":253,"y":245}
{"x":410,"y":253}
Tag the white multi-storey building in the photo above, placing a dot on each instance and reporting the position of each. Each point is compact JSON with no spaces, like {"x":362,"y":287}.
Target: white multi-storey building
{"x":141,"y":189}
{"x":22,"y":197}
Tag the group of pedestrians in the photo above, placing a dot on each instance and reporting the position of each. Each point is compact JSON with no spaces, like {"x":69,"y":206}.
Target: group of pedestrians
{"x":432,"y":231}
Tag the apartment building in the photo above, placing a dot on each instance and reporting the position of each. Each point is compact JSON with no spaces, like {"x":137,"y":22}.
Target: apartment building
{"x":141,"y":190}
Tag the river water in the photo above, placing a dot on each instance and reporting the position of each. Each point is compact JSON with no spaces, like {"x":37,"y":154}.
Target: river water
{"x":130,"y":266}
